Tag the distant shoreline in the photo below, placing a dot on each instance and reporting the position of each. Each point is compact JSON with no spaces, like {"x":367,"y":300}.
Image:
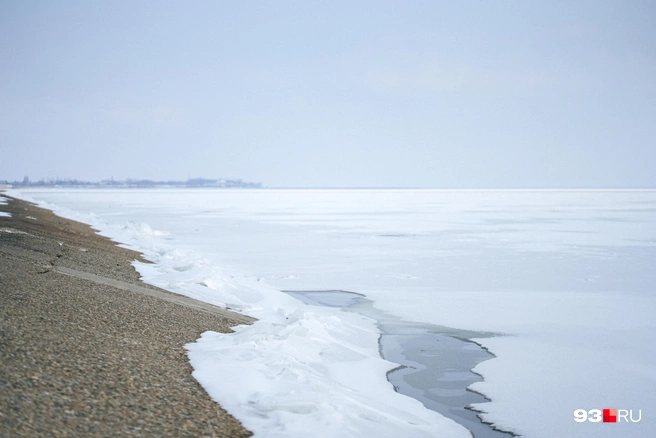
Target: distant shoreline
{"x":133,"y":183}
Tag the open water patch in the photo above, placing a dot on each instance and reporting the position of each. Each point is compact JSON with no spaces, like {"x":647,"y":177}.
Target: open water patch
{"x":435,"y":362}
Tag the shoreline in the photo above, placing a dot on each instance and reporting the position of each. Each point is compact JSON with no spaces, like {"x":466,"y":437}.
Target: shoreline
{"x":405,"y":412}
{"x":101,"y":353}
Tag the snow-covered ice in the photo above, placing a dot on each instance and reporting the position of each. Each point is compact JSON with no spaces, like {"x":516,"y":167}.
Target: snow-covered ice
{"x":565,"y":278}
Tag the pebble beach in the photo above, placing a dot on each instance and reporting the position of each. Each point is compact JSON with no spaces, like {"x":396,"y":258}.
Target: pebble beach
{"x":86,"y":348}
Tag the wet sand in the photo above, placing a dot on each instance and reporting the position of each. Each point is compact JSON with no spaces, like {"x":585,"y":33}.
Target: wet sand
{"x":95,"y":354}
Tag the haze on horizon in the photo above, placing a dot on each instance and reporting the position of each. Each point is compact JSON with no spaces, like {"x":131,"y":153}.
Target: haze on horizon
{"x":471,"y":94}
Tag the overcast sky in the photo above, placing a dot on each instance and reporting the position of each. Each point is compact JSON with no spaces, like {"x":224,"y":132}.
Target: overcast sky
{"x":446,"y":94}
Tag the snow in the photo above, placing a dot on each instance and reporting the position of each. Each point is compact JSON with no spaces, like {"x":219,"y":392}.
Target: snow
{"x":564,"y":277}
{"x":5,"y":214}
{"x":316,"y":372}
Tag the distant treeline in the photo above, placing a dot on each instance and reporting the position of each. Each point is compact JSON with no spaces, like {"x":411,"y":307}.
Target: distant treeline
{"x":134,"y":183}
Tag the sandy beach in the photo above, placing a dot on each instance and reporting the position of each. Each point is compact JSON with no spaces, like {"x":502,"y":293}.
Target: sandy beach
{"x":87,"y":349}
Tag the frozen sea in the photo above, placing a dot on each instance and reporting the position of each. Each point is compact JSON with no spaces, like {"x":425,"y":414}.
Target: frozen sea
{"x":557,"y":286}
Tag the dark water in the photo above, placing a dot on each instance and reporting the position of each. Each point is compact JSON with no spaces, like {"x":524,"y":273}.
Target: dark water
{"x":435,"y":362}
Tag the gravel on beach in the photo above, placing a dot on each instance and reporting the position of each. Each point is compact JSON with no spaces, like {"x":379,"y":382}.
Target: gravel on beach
{"x":80,"y":358}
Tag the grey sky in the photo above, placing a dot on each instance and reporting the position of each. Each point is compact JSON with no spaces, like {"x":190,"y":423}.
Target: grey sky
{"x":348,"y":93}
